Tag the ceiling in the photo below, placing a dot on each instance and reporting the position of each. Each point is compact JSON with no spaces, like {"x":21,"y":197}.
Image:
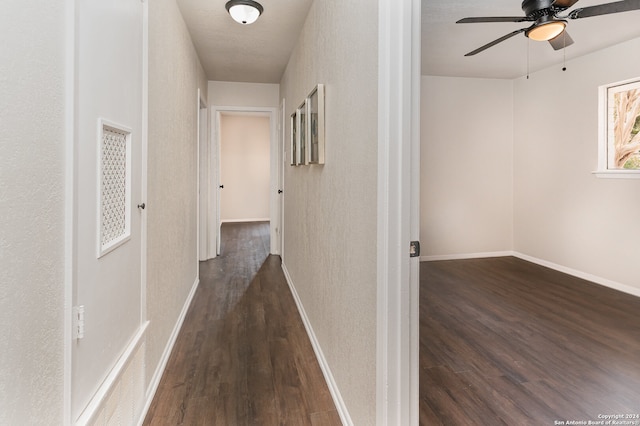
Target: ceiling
{"x":256,"y":53}
{"x":444,"y":43}
{"x":259,"y":52}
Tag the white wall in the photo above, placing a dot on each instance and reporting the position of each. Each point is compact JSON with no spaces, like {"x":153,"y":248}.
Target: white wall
{"x":245,"y":143}
{"x":330,"y":232}
{"x":466,"y":173}
{"x":224,"y":93}
{"x":175,"y":75}
{"x":563,"y":213}
{"x":32,"y":212}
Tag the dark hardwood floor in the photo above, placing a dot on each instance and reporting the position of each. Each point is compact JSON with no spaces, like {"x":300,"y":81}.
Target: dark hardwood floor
{"x":507,"y":342}
{"x":243,"y":356}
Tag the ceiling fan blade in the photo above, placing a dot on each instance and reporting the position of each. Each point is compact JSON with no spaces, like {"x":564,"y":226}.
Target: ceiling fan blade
{"x":493,"y":19}
{"x":561,"y":41}
{"x":605,"y":9}
{"x":564,"y":4}
{"x":494,"y":42}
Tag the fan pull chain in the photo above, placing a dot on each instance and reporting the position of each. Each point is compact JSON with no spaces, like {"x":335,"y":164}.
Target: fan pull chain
{"x":528,"y":41}
{"x":564,"y":51}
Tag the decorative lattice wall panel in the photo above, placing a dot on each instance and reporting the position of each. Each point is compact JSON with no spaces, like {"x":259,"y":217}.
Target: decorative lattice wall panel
{"x":114,"y":167}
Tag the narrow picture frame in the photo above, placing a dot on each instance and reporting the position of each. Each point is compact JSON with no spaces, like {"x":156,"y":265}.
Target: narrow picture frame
{"x":303,"y":133}
{"x":294,"y":139}
{"x":316,"y":129}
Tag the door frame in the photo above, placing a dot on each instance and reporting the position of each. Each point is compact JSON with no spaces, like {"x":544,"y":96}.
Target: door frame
{"x":275,"y":165}
{"x":203,"y":191}
{"x":398,"y":336}
{"x":282,"y":158}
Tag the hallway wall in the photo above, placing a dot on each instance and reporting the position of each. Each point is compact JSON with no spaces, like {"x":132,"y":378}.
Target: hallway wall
{"x":32,"y":212}
{"x":227,"y":93}
{"x":330,"y":211}
{"x":175,"y":74}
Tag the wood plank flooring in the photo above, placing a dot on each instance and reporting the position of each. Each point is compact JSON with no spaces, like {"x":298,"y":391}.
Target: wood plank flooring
{"x":243,"y":356}
{"x":507,"y":342}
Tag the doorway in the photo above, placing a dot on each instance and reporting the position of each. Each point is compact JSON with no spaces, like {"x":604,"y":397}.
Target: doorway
{"x":217,"y":185}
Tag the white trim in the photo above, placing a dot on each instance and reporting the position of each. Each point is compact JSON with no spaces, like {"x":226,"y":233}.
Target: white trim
{"x":341,"y":407}
{"x":252,"y":219}
{"x":198,"y":171}
{"x":144,"y":161}
{"x":157,"y":375}
{"x":69,"y":201}
{"x":617,"y":174}
{"x":397,"y":342}
{"x":112,"y":378}
{"x":479,"y":255}
{"x":282,"y":155}
{"x":634,"y":291}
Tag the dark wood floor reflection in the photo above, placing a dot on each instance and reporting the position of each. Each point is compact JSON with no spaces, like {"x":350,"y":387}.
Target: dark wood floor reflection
{"x":507,"y":342}
{"x":243,"y":356}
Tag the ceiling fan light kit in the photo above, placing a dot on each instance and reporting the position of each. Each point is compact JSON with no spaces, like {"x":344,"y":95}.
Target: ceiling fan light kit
{"x":244,"y":12}
{"x":548,"y":25}
{"x":546,"y":31}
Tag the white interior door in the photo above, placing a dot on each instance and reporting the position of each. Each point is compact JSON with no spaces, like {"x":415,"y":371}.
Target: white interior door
{"x":108,"y":188}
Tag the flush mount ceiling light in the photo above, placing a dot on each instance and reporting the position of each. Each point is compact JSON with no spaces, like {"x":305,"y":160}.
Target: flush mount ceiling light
{"x":244,"y":12}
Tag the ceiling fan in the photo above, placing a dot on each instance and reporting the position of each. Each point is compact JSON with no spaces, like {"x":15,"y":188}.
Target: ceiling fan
{"x":548,"y":25}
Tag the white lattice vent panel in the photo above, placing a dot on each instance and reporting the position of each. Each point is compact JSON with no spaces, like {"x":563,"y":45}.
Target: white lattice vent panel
{"x":115,"y":187}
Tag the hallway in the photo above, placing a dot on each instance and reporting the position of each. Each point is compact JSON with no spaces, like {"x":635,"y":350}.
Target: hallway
{"x":243,"y":356}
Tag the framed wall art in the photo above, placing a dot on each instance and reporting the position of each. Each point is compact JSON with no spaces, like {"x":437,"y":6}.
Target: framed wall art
{"x":303,"y":132}
{"x":316,"y":138}
{"x":294,"y":139}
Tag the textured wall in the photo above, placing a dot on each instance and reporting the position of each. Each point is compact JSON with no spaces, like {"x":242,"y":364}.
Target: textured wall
{"x":563,"y":213}
{"x":32,"y":166}
{"x":224,"y":93}
{"x":330,"y":222}
{"x":174,"y":76}
{"x":245,"y":143}
{"x":467,"y":166}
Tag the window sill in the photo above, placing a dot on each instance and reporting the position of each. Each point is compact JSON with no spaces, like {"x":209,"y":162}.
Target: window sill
{"x":617,"y":174}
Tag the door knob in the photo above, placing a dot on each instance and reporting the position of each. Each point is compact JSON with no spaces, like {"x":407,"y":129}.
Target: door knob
{"x":221,"y":186}
{"x":279,"y":191}
{"x":141,"y":206}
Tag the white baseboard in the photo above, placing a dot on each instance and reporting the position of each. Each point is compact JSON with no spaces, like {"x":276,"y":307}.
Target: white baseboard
{"x":157,"y":375}
{"x":583,"y":275}
{"x":634,"y":291}
{"x":466,"y":256}
{"x":324,"y":366}
{"x":254,"y":219}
